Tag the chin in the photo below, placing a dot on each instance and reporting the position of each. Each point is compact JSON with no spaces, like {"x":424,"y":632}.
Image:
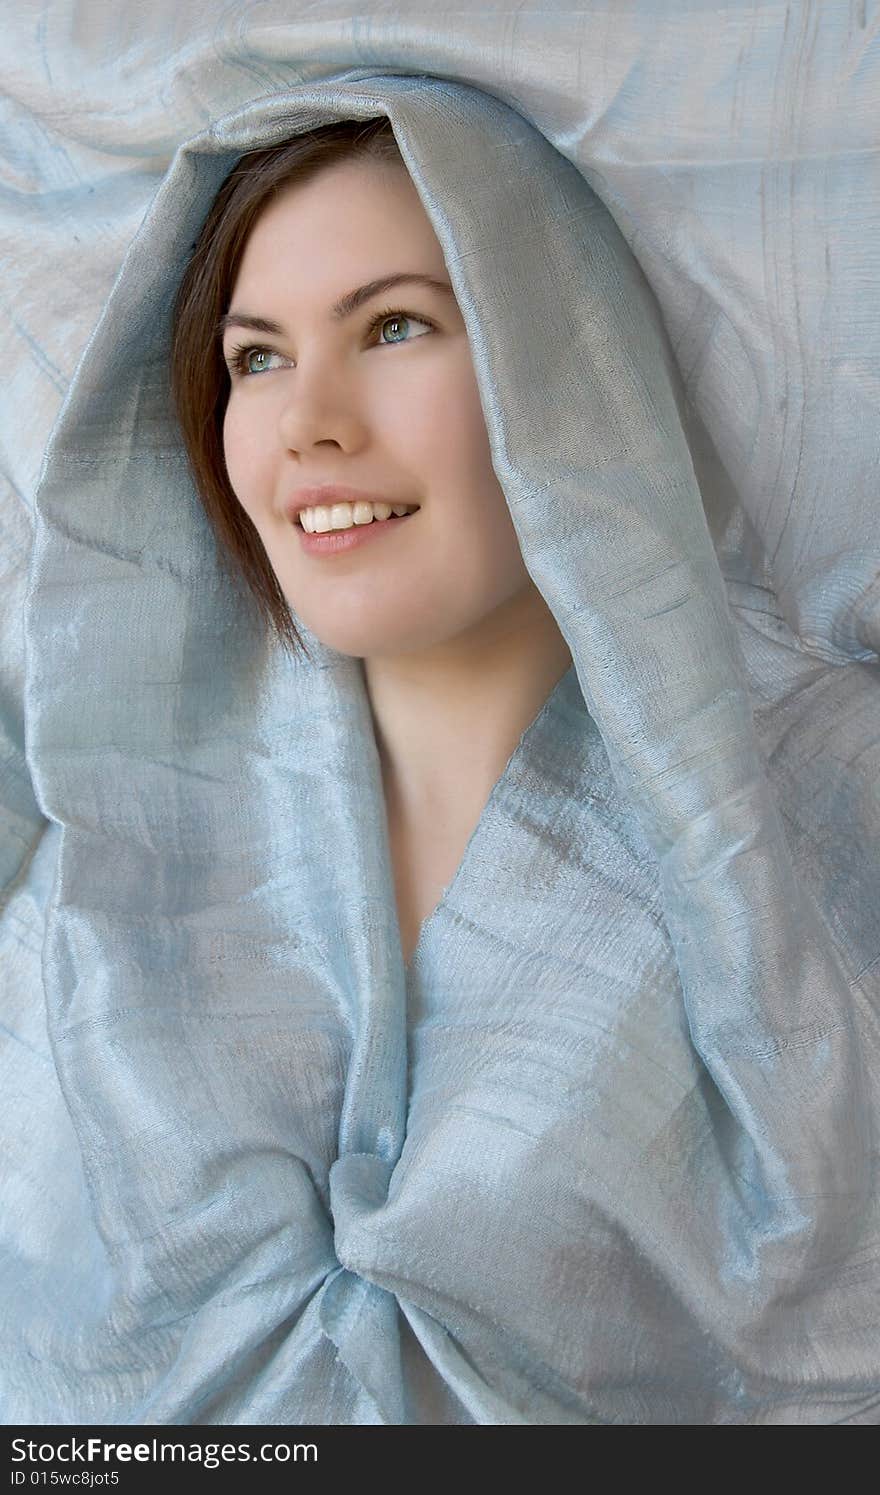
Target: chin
{"x":357,"y":642}
{"x":352,"y":624}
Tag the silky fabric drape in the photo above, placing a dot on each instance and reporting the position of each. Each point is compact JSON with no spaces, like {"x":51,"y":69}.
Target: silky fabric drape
{"x":606,"y":1151}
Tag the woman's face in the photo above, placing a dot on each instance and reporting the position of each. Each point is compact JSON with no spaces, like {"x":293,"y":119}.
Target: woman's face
{"x":393,"y":411}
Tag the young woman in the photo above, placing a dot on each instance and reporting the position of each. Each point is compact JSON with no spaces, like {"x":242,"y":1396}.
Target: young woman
{"x":453,"y":1016}
{"x":460,"y":649}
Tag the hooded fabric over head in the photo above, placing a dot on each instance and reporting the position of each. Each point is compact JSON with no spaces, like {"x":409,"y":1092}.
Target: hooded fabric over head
{"x":605,"y":1150}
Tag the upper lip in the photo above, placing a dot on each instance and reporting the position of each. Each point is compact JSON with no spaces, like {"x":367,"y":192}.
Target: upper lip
{"x":334,"y":493}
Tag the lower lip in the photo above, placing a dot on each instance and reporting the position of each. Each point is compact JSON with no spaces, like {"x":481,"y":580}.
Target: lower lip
{"x":337,"y":540}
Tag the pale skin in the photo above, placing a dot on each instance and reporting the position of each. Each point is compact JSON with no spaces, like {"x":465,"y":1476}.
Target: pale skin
{"x":460,"y":651}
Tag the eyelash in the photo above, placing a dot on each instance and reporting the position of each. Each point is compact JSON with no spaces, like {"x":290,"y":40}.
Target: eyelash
{"x":237,"y":360}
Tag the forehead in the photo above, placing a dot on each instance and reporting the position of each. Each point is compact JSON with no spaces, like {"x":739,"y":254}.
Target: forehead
{"x":355,"y":218}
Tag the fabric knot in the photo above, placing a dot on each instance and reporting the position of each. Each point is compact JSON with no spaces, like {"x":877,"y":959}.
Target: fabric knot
{"x":358,"y":1187}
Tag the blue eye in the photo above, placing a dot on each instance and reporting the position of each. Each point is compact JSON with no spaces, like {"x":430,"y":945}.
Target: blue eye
{"x":238,"y":361}
{"x":248,"y":353}
{"x":390,"y":315}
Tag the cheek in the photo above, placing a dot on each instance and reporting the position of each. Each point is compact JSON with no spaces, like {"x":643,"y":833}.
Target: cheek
{"x":466,"y":456}
{"x":448,"y":423}
{"x":241,"y":453}
{"x":473,"y":536}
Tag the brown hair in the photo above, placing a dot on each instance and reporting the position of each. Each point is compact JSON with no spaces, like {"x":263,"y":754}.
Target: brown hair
{"x":199,"y":377}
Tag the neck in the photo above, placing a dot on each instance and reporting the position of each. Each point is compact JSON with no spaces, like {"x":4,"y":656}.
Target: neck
{"x":448,"y":719}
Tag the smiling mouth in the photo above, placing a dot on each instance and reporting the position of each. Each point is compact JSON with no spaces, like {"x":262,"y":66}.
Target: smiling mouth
{"x":306,"y":519}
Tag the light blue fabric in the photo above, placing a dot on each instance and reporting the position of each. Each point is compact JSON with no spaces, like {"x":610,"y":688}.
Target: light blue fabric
{"x":606,"y":1151}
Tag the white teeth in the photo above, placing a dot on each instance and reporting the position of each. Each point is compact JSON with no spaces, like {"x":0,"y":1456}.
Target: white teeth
{"x":324,"y":517}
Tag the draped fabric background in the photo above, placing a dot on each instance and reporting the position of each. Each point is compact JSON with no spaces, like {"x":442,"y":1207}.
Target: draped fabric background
{"x":736,"y":802}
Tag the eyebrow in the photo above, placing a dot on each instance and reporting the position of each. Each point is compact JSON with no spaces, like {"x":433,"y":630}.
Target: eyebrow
{"x":342,"y":308}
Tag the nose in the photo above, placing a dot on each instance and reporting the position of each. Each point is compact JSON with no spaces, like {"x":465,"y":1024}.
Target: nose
{"x":319,"y":405}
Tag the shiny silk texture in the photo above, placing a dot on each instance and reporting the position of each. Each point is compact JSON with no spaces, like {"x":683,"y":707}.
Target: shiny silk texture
{"x":605,"y":1152}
